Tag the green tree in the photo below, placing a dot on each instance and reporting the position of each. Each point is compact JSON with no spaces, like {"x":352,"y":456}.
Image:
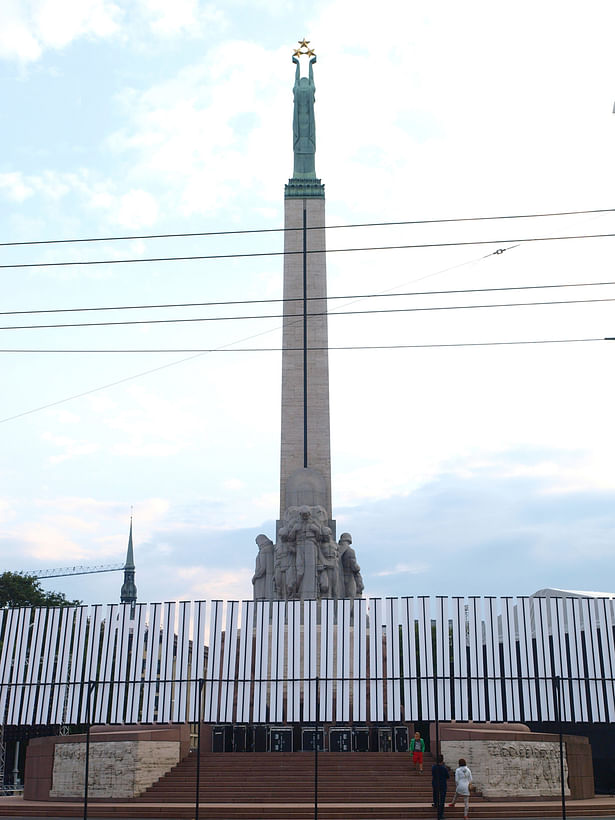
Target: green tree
{"x":25,"y":590}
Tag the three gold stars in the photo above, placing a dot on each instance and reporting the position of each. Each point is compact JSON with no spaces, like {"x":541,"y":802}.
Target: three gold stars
{"x":303,"y":49}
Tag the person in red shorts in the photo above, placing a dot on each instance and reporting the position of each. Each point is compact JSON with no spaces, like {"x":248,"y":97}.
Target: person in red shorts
{"x":417,"y":747}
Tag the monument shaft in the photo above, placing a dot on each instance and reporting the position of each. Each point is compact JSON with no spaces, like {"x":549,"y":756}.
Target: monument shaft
{"x":306,"y":562}
{"x":305,"y":440}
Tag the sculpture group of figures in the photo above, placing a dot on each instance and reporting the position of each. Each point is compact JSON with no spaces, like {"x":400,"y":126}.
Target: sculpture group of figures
{"x":306,"y":561}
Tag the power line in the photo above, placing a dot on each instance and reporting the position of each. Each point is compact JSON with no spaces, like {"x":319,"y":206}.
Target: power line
{"x":96,"y":389}
{"x":177,"y":362}
{"x":309,"y":228}
{"x":228,"y":349}
{"x":259,"y":254}
{"x":201,"y":350}
{"x":312,"y":315}
{"x":308,"y":298}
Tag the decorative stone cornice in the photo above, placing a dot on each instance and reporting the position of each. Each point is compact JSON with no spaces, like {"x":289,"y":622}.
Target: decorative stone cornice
{"x":304,"y":189}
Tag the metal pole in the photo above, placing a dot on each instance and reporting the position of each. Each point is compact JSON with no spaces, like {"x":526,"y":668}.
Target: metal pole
{"x":198,"y":752}
{"x":305,"y":349}
{"x":437,"y":716}
{"x":316,"y":753}
{"x":16,"y":766}
{"x":91,"y":686}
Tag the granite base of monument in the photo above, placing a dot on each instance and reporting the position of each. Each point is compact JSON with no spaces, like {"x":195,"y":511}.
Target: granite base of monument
{"x":508,"y":761}
{"x":124,"y":762}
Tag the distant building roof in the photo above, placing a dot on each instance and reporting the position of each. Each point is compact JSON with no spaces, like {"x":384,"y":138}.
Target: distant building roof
{"x":570,"y":593}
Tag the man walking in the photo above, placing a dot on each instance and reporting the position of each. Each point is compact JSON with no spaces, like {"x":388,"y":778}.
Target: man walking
{"x":439,"y":777}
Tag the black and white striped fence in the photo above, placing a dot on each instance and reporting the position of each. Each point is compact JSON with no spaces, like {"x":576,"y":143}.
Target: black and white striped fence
{"x":392,"y":659}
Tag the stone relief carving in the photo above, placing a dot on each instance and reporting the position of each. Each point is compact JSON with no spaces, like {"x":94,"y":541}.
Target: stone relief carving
{"x":508,"y":768}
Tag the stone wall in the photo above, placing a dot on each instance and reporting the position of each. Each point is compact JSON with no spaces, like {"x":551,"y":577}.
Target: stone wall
{"x":117,"y":768}
{"x":510,"y":768}
{"x":519,"y":763}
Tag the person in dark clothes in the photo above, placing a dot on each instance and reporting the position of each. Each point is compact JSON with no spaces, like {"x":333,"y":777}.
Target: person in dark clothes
{"x":439,"y":777}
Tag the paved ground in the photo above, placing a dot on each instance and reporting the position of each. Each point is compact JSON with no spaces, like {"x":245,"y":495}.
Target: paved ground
{"x":415,"y":810}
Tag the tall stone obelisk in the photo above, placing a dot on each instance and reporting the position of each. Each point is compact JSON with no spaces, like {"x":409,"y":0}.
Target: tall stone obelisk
{"x":305,"y":562}
{"x":305,"y":442}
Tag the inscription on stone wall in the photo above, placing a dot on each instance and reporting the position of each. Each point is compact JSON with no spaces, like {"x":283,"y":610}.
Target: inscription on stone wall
{"x":117,"y":768}
{"x":510,"y":768}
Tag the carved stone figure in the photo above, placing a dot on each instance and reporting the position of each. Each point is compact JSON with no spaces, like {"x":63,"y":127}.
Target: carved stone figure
{"x":304,"y":127}
{"x":353,"y":582}
{"x":263,"y":572}
{"x":284,"y":567}
{"x":306,"y":532}
{"x":306,"y":562}
{"x":328,"y":565}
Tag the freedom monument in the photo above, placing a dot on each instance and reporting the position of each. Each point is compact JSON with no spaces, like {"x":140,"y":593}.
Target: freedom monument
{"x":309,"y":664}
{"x":306,"y":561}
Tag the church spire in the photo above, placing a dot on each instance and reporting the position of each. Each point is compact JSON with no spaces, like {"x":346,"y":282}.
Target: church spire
{"x":128,"y":594}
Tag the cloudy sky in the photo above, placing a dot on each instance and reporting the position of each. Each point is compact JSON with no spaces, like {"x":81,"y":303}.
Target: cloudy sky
{"x":458,"y":470}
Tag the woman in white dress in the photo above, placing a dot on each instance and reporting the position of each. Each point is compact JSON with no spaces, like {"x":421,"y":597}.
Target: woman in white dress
{"x":463,"y":779}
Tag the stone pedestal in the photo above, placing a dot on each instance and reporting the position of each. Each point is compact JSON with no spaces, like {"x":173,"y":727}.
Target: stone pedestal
{"x":509,"y":761}
{"x":124,"y":762}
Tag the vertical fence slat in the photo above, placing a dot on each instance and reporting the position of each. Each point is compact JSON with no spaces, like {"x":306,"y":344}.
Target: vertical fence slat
{"x":376,"y":688}
{"x":342,"y":689}
{"x":310,"y":655}
{"x":276,"y":689}
{"x":359,"y":661}
{"x":604,"y":618}
{"x":509,"y":668}
{"x":34,"y":666}
{"x":197,"y":660}
{"x":442,"y":668}
{"x":246,"y":640}
{"x":212,"y":681}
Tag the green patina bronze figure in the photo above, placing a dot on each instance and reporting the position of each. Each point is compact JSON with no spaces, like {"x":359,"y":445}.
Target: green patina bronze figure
{"x":304,"y":182}
{"x":304,"y":126}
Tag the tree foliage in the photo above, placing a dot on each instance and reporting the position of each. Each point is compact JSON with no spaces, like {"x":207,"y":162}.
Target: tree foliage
{"x":25,"y":590}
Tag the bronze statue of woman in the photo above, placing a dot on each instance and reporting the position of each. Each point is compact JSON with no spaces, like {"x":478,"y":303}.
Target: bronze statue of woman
{"x":304,"y":128}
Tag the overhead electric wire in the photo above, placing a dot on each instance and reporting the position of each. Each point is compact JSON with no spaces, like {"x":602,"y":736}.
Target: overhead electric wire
{"x":198,"y":355}
{"x":193,"y":319}
{"x":309,"y":228}
{"x":228,"y":349}
{"x":383,"y":295}
{"x":259,"y":254}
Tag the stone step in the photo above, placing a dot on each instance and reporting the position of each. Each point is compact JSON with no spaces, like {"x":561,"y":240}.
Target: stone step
{"x":289,"y":777}
{"x":303,"y":811}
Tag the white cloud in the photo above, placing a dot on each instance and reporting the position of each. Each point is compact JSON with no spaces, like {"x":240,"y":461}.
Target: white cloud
{"x":191,"y":17}
{"x":404,"y":569}
{"x":29,"y":27}
{"x":137,"y":209}
{"x":134,"y":208}
{"x":151,"y":424}
{"x":201,"y":583}
{"x":71,"y":448}
{"x":7,"y":510}
{"x":50,"y":542}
